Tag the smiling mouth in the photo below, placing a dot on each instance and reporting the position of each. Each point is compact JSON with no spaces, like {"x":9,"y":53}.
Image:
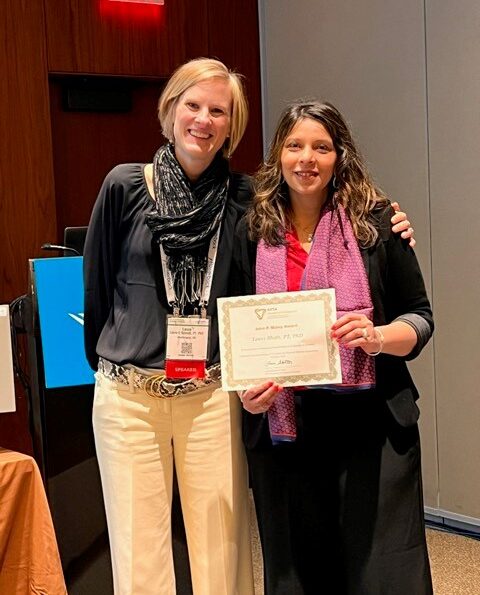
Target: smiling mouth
{"x":200,"y":135}
{"x":306,"y":175}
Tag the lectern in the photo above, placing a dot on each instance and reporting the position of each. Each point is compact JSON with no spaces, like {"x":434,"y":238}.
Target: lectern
{"x":62,"y":396}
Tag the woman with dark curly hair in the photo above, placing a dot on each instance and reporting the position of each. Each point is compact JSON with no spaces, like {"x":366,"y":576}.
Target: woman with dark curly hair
{"x":336,"y":470}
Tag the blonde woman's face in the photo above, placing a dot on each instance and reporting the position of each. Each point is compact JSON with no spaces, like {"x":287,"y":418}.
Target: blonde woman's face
{"x":308,"y":160}
{"x":202,"y":123}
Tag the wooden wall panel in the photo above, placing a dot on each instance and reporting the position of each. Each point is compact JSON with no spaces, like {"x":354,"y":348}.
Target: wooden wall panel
{"x":130,"y":39}
{"x":234,"y":39}
{"x":86,"y":145}
{"x":188,"y":31}
{"x":103,"y":37}
{"x":27,"y":204}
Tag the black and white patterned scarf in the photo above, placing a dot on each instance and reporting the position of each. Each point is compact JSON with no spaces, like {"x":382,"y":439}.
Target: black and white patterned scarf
{"x":186,"y":217}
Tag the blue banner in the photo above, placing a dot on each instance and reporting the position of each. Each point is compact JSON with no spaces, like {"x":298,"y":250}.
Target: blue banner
{"x":59,"y":290}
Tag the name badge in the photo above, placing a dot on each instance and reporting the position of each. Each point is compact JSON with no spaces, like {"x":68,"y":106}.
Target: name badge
{"x":187,"y":346}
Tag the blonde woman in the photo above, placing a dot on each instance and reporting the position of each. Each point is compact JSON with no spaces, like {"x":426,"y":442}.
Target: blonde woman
{"x":157,"y":233}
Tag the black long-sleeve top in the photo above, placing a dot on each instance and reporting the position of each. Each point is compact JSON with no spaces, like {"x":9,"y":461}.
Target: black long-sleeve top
{"x":125,"y":301}
{"x":398,"y":292}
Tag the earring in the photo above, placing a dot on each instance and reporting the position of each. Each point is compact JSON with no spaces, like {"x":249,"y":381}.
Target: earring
{"x":334,"y":182}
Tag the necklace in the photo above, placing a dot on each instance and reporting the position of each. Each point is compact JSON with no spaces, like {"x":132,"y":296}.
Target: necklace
{"x":305,"y":231}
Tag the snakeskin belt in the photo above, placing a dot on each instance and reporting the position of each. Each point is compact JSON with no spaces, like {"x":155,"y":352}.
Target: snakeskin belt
{"x":157,"y":385}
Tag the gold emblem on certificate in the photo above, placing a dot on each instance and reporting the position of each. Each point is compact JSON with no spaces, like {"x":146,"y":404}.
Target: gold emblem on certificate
{"x":282,"y":336}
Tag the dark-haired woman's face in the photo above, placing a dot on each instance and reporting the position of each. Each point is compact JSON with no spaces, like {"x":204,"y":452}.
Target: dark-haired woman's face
{"x":308,"y":160}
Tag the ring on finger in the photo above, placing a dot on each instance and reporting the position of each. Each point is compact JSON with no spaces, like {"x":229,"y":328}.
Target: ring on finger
{"x":365,"y":333}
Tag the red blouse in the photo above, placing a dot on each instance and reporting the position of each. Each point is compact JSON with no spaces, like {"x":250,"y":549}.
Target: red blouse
{"x":296,"y":261}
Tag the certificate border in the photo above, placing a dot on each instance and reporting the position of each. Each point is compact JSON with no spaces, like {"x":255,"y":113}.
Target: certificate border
{"x":321,"y":295}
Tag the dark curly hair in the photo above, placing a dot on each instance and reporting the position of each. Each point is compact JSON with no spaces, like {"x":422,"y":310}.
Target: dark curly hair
{"x":270,"y":214}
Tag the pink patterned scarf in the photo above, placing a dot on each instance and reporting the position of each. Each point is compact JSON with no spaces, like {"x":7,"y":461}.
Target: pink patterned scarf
{"x":334,"y":262}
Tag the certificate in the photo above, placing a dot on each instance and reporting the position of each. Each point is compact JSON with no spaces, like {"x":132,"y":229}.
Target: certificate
{"x":283,"y":337}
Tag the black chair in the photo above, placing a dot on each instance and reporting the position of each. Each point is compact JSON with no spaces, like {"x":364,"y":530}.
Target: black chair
{"x":74,"y":237}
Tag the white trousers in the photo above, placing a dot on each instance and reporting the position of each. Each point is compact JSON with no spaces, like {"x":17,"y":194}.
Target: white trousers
{"x":138,"y":438}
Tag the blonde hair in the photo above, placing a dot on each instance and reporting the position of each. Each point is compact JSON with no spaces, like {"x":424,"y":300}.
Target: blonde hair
{"x":192,"y":73}
{"x":355,"y":190}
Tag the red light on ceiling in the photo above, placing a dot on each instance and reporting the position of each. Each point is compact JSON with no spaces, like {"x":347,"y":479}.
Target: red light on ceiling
{"x":146,"y":12}
{"x":141,"y":1}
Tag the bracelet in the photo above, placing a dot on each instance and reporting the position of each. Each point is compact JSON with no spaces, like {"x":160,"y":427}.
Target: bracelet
{"x":381,"y":338}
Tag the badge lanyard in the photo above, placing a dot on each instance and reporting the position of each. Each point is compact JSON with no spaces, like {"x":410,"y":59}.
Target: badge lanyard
{"x":187,"y":336}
